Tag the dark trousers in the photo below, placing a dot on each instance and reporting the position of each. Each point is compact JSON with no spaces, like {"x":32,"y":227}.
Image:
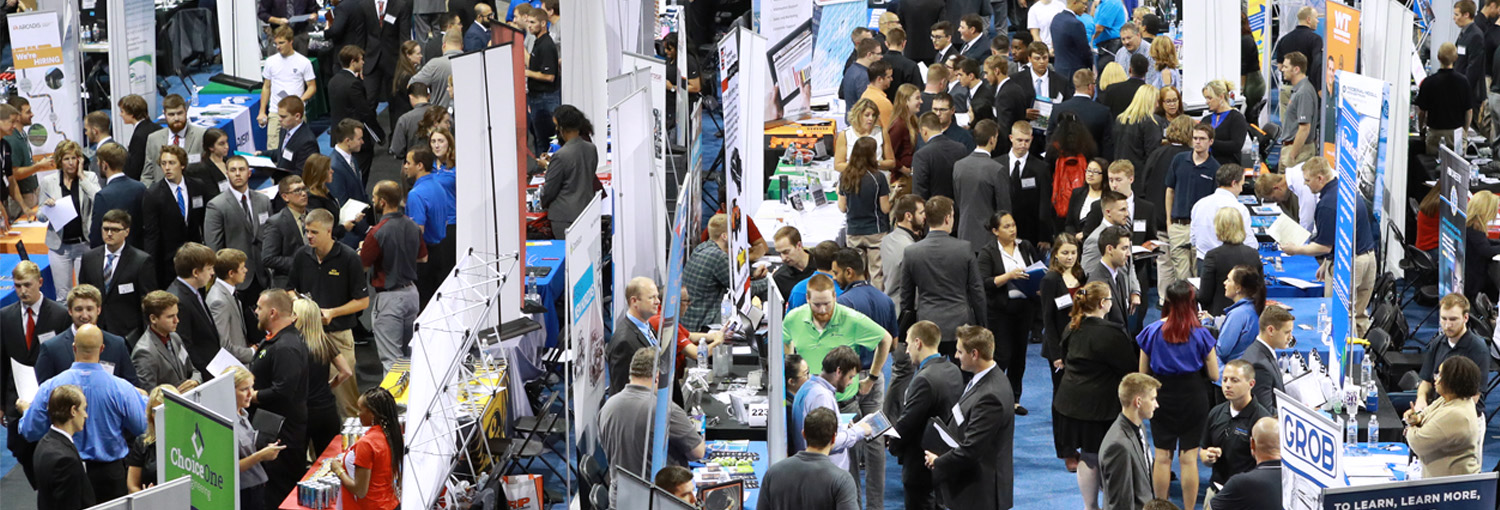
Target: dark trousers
{"x":1012,"y":330}
{"x":1057,"y":439}
{"x":21,"y":449}
{"x":252,"y":498}
{"x":247,"y":299}
{"x":917,"y":481}
{"x":288,"y":468}
{"x":323,"y":425}
{"x":540,"y":105}
{"x":108,"y":479}
{"x":441,"y":258}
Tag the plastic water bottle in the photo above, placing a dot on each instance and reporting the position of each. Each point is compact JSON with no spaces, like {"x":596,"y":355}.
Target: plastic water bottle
{"x":726,"y":311}
{"x":1367,"y":378}
{"x":1255,"y":153}
{"x":1325,"y":325}
{"x":703,"y":352}
{"x":1351,"y":434}
{"x":1374,"y":433}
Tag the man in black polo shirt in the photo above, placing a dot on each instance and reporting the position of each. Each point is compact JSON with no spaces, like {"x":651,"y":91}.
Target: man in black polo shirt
{"x":1457,"y":340}
{"x":1443,"y":102}
{"x":280,"y":370}
{"x":331,"y":273}
{"x":392,"y":249}
{"x":543,"y":79}
{"x":1226,"y":439}
{"x":1321,"y":180}
{"x":1304,"y":39}
{"x":796,"y":262}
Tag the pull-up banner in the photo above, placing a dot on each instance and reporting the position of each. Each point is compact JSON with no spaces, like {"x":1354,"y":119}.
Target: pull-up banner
{"x":1463,"y":492}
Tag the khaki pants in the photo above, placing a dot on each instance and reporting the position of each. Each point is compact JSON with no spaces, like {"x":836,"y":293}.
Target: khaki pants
{"x":347,"y":393}
{"x":1310,"y":148}
{"x":869,"y":245}
{"x":1181,"y":260}
{"x":1364,"y":286}
{"x":1436,"y":137}
{"x":273,"y":130}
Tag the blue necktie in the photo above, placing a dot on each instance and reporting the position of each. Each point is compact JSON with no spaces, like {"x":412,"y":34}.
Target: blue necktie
{"x":181,"y":204}
{"x":109,"y":270}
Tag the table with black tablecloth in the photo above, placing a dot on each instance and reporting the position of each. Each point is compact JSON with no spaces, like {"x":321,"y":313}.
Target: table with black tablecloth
{"x":1305,"y":311}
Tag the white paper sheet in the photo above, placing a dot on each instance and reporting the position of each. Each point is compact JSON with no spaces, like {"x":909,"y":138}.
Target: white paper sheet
{"x":1197,"y":282}
{"x":258,"y":162}
{"x":1287,"y":232}
{"x":351,"y":210}
{"x":60,"y":214}
{"x":948,"y":440}
{"x":25,"y":377}
{"x":222,"y":361}
{"x":1297,"y":282}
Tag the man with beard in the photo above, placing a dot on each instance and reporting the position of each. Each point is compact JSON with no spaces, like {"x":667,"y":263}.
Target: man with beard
{"x":23,"y":169}
{"x":179,"y":133}
{"x":281,"y":385}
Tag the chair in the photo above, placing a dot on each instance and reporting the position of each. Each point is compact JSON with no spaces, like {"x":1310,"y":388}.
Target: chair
{"x":532,"y":444}
{"x":593,"y":472}
{"x":1387,"y":361}
{"x":599,"y":497}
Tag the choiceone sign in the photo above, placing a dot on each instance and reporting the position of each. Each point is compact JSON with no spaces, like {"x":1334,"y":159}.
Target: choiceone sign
{"x":200,"y":444}
{"x":1311,"y":453}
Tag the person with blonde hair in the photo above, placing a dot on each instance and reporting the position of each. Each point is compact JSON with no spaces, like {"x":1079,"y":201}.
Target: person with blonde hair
{"x":864,"y":122}
{"x":1229,"y":124}
{"x":1479,"y":250}
{"x":1443,"y":103}
{"x":1138,"y":130}
{"x":71,"y":183}
{"x":140,"y":463}
{"x":1230,"y":229}
{"x":253,"y":475}
{"x":1164,"y":56}
{"x":323,"y":351}
{"x":1113,"y":73}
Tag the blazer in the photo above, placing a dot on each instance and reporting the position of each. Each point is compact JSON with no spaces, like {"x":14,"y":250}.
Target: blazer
{"x":348,"y":98}
{"x":353,"y":22}
{"x":1055,"y":318}
{"x":1143,"y":224}
{"x":395,"y":29}
{"x":1151,"y":180}
{"x":121,"y":193}
{"x":162,"y":223}
{"x":1074,"y":222}
{"x":932,"y":166}
{"x":62,"y":483}
{"x":1002,"y":307}
{"x":929,"y":397}
{"x":941,"y":283}
{"x":159,"y":364}
{"x":266,"y":9}
{"x":1134,"y":142}
{"x":980,"y":189}
{"x":1120,"y":289}
{"x":1095,"y":117}
{"x":192,"y":142}
{"x":137,"y":149}
{"x":1267,"y":374}
{"x":1026,"y":192}
{"x":57,"y":355}
{"x":977,"y":51}
{"x":1253,"y":489}
{"x":982,"y":106}
{"x":135,"y":276}
{"x":1449,"y":439}
{"x":892,"y":252}
{"x":1012,"y":99}
{"x":295,"y":150}
{"x":279,"y":241}
{"x":916,"y":17}
{"x":1119,"y":96}
{"x":196,"y":326}
{"x":225,"y":226}
{"x":348,"y":181}
{"x":1126,"y":473}
{"x":53,"y":318}
{"x":1216,"y":265}
{"x":622,"y":346}
{"x":904,"y":70}
{"x":1096,"y":356}
{"x":979,"y":473}
{"x":476,"y":38}
{"x":50,"y":187}
{"x":1070,"y":44}
{"x":1059,"y":86}
{"x":209,"y":173}
{"x":570,"y":180}
{"x":229,"y":321}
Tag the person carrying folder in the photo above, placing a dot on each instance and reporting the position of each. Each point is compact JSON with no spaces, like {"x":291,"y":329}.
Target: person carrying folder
{"x":976,"y":471}
{"x":1010,"y":274}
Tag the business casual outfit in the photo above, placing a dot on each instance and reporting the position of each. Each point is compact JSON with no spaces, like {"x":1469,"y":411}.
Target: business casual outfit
{"x":1122,"y":285}
{"x":1119,"y":96}
{"x":980,"y":189}
{"x":136,"y":163}
{"x":1096,"y":356}
{"x":1268,"y":377}
{"x":1205,"y":237}
{"x":1011,"y":311}
{"x":66,"y":245}
{"x":631,"y":334}
{"x":807,"y":480}
{"x":569,"y":185}
{"x":933,"y":166}
{"x":1449,"y":439}
{"x":297,"y":143}
{"x":280,"y":238}
{"x":1178,"y":424}
{"x":1237,"y":330}
{"x":1230,"y":129}
{"x":391,"y":250}
{"x":892,"y":254}
{"x":1216,"y":266}
{"x":234,"y":219}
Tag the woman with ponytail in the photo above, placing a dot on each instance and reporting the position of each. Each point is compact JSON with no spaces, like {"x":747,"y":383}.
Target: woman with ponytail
{"x":1097,"y":355}
{"x":1241,"y":322}
{"x":368,"y":470}
{"x":1229,"y":124}
{"x":1179,"y":352}
{"x":571,"y":179}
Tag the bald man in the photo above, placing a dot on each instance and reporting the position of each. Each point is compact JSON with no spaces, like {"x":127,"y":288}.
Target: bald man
{"x":1248,"y":490}
{"x":633,"y":331}
{"x":117,"y":412}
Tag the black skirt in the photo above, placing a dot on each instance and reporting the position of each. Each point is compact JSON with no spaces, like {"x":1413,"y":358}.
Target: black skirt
{"x":1179,"y":421}
{"x":1082,"y":435}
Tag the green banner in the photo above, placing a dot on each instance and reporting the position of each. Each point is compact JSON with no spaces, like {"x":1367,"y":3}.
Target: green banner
{"x":201,"y":444}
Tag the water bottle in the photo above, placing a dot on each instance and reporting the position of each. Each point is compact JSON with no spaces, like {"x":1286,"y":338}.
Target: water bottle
{"x":532,"y":294}
{"x":1374,"y":433}
{"x":726,"y":312}
{"x":1325,"y":326}
{"x":1255,"y":153}
{"x":1351,"y":434}
{"x":703,"y":352}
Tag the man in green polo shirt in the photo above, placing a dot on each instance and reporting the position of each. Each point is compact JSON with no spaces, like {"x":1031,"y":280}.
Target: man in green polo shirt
{"x":821,"y":325}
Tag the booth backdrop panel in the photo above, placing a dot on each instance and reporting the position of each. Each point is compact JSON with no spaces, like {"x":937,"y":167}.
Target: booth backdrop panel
{"x":1387,"y":48}
{"x":132,"y":53}
{"x":1208,"y":54}
{"x":47,"y":72}
{"x":8,"y":288}
{"x":583,"y":66}
{"x":637,"y":208}
{"x":586,"y":325}
{"x":239,"y":38}
{"x":471,"y":107}
{"x":507,"y":84}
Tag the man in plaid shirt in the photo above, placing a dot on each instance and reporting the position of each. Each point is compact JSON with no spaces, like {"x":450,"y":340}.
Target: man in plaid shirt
{"x":706,"y":277}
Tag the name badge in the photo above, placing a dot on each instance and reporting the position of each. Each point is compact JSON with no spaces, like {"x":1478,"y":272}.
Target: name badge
{"x":262,"y":217}
{"x":1064,"y":301}
{"x":390,"y":18}
{"x":1462,"y":50}
{"x":198,"y":202}
{"x":1206,"y":177}
{"x":1028,"y":183}
{"x":958,"y":416}
{"x":286,"y":154}
{"x":42,"y":337}
{"x":126,"y":288}
{"x":109,"y":368}
{"x":223,"y":186}
{"x":1140,"y":225}
{"x":194,"y":158}
{"x":182,"y":356}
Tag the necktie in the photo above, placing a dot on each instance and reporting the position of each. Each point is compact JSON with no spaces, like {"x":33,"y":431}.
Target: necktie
{"x":109,"y":269}
{"x":181,"y":203}
{"x":30,"y":328}
{"x":177,"y":140}
{"x":1039,"y":90}
{"x":245,"y":203}
{"x":380,"y":7}
{"x":1017,"y":172}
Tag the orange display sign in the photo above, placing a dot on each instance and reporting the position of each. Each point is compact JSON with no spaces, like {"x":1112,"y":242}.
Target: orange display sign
{"x":39,"y":56}
{"x":1341,"y":54}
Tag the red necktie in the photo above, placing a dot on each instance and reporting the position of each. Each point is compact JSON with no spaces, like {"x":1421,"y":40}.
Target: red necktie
{"x":177,"y":140}
{"x":30,"y":328}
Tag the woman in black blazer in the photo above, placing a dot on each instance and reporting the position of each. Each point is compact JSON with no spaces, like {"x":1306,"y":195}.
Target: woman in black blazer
{"x":1230,"y":228}
{"x":1085,"y":196}
{"x":1002,"y":266}
{"x":1098,"y":354}
{"x":1060,"y":285}
{"x":211,"y":167}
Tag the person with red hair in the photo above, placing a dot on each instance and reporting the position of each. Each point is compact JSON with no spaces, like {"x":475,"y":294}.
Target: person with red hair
{"x":1179,"y":352}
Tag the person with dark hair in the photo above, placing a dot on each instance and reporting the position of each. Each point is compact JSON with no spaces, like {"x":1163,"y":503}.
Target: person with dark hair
{"x":942,"y":43}
{"x":881,"y":78}
{"x":281,"y":385}
{"x":626,"y":418}
{"x":1189,"y":178}
{"x":1084,"y":198}
{"x":376,"y":456}
{"x":234,"y":219}
{"x":1093,"y":114}
{"x":905,"y":70}
{"x":1123,"y":460}
{"x":159,"y":356}
{"x":1093,"y":356}
{"x":865,"y":199}
{"x":56,"y":353}
{"x":332,"y":274}
{"x":929,"y":395}
{"x":1070,"y":147}
{"x":193,"y":268}
{"x":1301,"y":116}
{"x":1119,"y":96}
{"x":857,"y":75}
{"x":932,"y":164}
{"x":1003,"y":263}
{"x":1226,"y":439}
{"x":1448,"y":435}
{"x":973,"y":43}
{"x":407,"y":61}
{"x":349,"y":98}
{"x":838,"y":373}
{"x":1322,"y":180}
{"x":978,"y":472}
{"x":910,"y":218}
{"x":1115,"y":268}
{"x":980,"y":189}
{"x":942,"y":280}
{"x":116,"y":193}
{"x":404,"y":133}
{"x":477,"y":36}
{"x":860,"y":296}
{"x":436,"y":73}
{"x":121,"y":273}
{"x":172,"y":210}
{"x":64,"y":484}
{"x":212,"y":167}
{"x":1245,"y":285}
{"x":1249,"y":490}
{"x":1176,"y":350}
{"x":809,"y":479}
{"x":543,"y":84}
{"x":179,"y":132}
{"x":433,"y":209}
{"x":346,"y":174}
{"x":1457,"y":341}
{"x":297,"y":143}
{"x":96,"y":131}
{"x":139,"y":126}
{"x":1132,"y":43}
{"x":286,"y":73}
{"x":1276,"y":325}
{"x":570,"y":181}
{"x":1070,"y":40}
{"x":693,"y":81}
{"x":391,"y":250}
{"x":856,"y":36}
{"x":677,"y":481}
{"x":796,"y":260}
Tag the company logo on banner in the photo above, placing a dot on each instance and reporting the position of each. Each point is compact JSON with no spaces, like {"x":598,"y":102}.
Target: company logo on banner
{"x":1463,"y":492}
{"x":586,"y":323}
{"x":1311,"y":451}
{"x":734,"y":194}
{"x":207,"y":454}
{"x":671,"y":300}
{"x":1341,"y":53}
{"x":1455,"y":195}
{"x":44,"y":80}
{"x":1343,"y":241}
{"x":1259,"y":15}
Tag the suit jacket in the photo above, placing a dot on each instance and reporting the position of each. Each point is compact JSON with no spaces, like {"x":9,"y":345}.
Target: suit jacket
{"x":627,"y":339}
{"x":62,"y":482}
{"x":1074,"y":222}
{"x":982,"y":106}
{"x":353,"y":22}
{"x":903,"y":70}
{"x":1026,"y":192}
{"x":395,"y":29}
{"x":121,"y":193}
{"x":162,"y":223}
{"x":977,"y":51}
{"x":1126,"y":472}
{"x":229,"y":321}
{"x":57,"y":355}
{"x":1216,"y":265}
{"x":225,"y":226}
{"x":192,"y":142}
{"x":980,"y":189}
{"x":49,"y":186}
{"x":1252,"y":490}
{"x":1119,"y":288}
{"x":1012,"y":99}
{"x":1095,"y":117}
{"x":979,"y":474}
{"x":1143,"y":226}
{"x":942,"y":283}
{"x":1118,"y":96}
{"x":991,"y":264}
{"x":932,"y":166}
{"x":137,"y":149}
{"x":958,"y":8}
{"x":1267,"y":374}
{"x":476,"y":38}
{"x":348,"y":182}
{"x":892,"y":252}
{"x":279,"y":241}
{"x":53,"y":318}
{"x":944,"y":57}
{"x":348,"y":98}
{"x":295,"y":150}
{"x":929,"y":397}
{"x":93,"y":156}
{"x":157,"y":364}
{"x":196,"y":326}
{"x":1059,"y":86}
{"x":1070,"y":44}
{"x":135,"y":276}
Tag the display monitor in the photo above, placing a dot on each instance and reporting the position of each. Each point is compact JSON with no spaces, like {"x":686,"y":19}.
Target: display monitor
{"x":724,"y":496}
{"x":631,"y":491}
{"x":663,"y":500}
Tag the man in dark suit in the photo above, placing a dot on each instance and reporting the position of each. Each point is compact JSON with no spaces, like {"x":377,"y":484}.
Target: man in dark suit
{"x":283,"y":234}
{"x":393,"y":19}
{"x":118,"y":192}
{"x":122,"y":273}
{"x":133,"y":110}
{"x":280,"y":12}
{"x":1119,"y":96}
{"x":21,"y":341}
{"x":56,"y":353}
{"x":350,"y":23}
{"x":1040,"y":80}
{"x":1141,"y":214}
{"x":1070,"y":40}
{"x":1030,"y":180}
{"x":477,"y":36}
{"x":195,"y":270}
{"x":932,"y":165}
{"x":1094,"y":116}
{"x":1114,"y":267}
{"x":971,"y":75}
{"x":903,"y":69}
{"x":633,"y":331}
{"x":980,"y":189}
{"x":1123,"y":463}
{"x":64,"y":483}
{"x":350,"y":99}
{"x":298,"y":139}
{"x":929,"y":397}
{"x":348,"y":180}
{"x":1275,"y":333}
{"x":1258,"y":488}
{"x":942,"y":271}
{"x":172,"y":209}
{"x":972,"y":43}
{"x":942,"y":42}
{"x":978,"y":473}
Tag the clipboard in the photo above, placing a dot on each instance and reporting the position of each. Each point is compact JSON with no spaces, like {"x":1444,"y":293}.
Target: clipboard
{"x":938,"y":438}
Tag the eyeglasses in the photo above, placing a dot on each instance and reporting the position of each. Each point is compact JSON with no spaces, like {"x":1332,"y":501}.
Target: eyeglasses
{"x":296,"y":191}
{"x":111,"y":230}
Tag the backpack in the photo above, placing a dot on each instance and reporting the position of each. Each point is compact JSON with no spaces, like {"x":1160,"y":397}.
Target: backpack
{"x":1068,"y":175}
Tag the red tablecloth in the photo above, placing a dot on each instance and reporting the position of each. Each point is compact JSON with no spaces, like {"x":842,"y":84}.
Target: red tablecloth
{"x":335,"y":447}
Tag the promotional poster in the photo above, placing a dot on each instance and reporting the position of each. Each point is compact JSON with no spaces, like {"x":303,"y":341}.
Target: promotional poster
{"x":586,"y":324}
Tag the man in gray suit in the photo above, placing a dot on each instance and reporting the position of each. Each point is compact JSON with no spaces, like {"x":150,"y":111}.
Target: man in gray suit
{"x":979,"y":473}
{"x":1124,"y":461}
{"x":980,"y":188}
{"x":633,"y":330}
{"x":911,"y":222}
{"x":229,"y":317}
{"x":234,"y":219}
{"x":159,"y":355}
{"x":942,"y":277}
{"x":1275,"y":333}
{"x":179,"y":132}
{"x":1114,"y":267}
{"x":283,"y":235}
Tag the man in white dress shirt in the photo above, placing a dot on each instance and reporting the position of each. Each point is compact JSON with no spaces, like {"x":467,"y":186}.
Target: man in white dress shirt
{"x":1231,"y":179}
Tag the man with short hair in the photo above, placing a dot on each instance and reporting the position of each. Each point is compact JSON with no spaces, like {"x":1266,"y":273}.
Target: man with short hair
{"x":706,"y":273}
{"x":283,"y":233}
{"x":937,"y":83}
{"x":1094,"y":115}
{"x":1472,"y":60}
{"x":332,"y":274}
{"x":1131,"y":44}
{"x":677,"y":481}
{"x":860,"y":296}
{"x":23,"y":168}
{"x":285,"y":73}
{"x":119,"y":191}
{"x":942,"y":43}
{"x":1304,"y":39}
{"x":930,"y":395}
{"x":58,"y":453}
{"x":350,"y":99}
{"x":159,"y":356}
{"x":1114,"y":211}
{"x":543,"y":83}
{"x":980,"y":188}
{"x":298,"y":141}
{"x":1030,"y":180}
{"x":857,"y":35}
{"x":118,"y":414}
{"x":1008,"y":99}
{"x":1276,"y":325}
{"x":1226,"y":436}
{"x":880,"y":78}
{"x":632,"y":331}
{"x":857,"y":76}
{"x":837,"y":375}
{"x":796,"y":262}
{"x":435,"y":73}
{"x":1289,"y":192}
{"x":1300,"y":117}
{"x":96,"y":128}
{"x":1044,"y":81}
{"x":1190,"y":178}
{"x":24,"y":325}
{"x":136,"y":116}
{"x":194,"y":267}
{"x":942,"y":277}
{"x":1230,"y":179}
{"x":179,"y":132}
{"x":172,"y":210}
{"x":1070,"y":41}
{"x":809,"y":479}
{"x":932,"y":164}
{"x":229,"y":316}
{"x":234,"y":220}
{"x":391,"y":249}
{"x":477,"y":36}
{"x":56,"y":353}
{"x":627,"y":416}
{"x":431,"y":207}
{"x":904,"y":69}
{"x":1125,"y":456}
{"x":1114,"y":267}
{"x":404,"y":134}
{"x":1456,"y":340}
{"x":1119,"y":96}
{"x":1256,"y":489}
{"x":973,"y":43}
{"x":280,"y":370}
{"x":123,"y":273}
{"x":978,"y":472}
{"x":1443,"y":103}
{"x":971,"y":77}
{"x":1321,"y":179}
{"x":349,"y":174}
{"x":822,"y":257}
{"x":910,"y":217}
